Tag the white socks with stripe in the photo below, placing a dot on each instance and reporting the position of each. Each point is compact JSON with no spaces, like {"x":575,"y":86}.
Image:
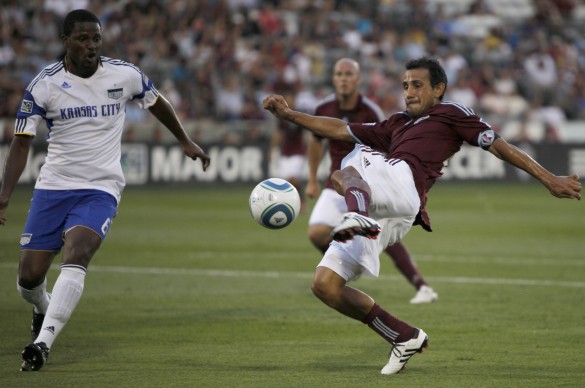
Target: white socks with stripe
{"x":64,"y":298}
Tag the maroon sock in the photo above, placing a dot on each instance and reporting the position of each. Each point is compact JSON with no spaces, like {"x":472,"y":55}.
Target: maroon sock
{"x":389,"y":327}
{"x":357,"y":200}
{"x":405,"y":265}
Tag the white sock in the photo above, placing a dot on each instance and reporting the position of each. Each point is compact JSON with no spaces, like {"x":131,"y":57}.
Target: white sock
{"x":64,"y":298}
{"x":37,"y":296}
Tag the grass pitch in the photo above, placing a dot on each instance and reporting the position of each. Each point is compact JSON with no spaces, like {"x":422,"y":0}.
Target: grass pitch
{"x":188,"y":291}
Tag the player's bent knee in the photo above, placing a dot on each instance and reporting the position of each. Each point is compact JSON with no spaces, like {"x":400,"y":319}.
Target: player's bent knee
{"x":324,"y":290}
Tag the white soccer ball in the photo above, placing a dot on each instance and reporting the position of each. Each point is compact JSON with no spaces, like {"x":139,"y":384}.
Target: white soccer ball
{"x":274,"y":203}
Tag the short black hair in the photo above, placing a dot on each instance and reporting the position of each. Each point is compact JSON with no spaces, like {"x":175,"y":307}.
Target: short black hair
{"x":78,"y":16}
{"x":436,"y":72}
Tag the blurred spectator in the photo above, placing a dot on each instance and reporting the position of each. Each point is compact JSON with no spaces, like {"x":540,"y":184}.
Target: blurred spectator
{"x":230,"y":99}
{"x":461,"y":91}
{"x":541,"y":75}
{"x":502,"y":102}
{"x":219,"y":58}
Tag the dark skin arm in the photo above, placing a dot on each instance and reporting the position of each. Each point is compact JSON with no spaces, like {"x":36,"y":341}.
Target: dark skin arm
{"x":13,"y":168}
{"x":559,"y":186}
{"x":164,"y":112}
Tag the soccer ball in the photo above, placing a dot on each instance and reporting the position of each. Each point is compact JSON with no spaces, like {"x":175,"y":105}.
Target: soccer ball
{"x":274,"y":203}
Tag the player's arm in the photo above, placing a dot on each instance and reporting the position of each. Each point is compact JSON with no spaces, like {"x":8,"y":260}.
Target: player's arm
{"x":13,"y":168}
{"x":314,"y":156}
{"x":559,"y":186}
{"x":329,"y":127}
{"x":164,"y":112}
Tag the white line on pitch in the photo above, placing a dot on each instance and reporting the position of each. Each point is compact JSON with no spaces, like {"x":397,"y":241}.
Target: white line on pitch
{"x":308,"y":275}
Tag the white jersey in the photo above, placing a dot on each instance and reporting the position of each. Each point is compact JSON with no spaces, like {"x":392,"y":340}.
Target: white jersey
{"x":85,"y":118}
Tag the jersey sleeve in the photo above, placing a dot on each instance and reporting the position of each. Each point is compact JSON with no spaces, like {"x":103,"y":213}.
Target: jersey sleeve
{"x":468,"y":125}
{"x":374,"y":135}
{"x":145,"y":93}
{"x":30,"y":113}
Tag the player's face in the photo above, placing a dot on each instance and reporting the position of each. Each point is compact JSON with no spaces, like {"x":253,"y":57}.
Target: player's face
{"x":346,"y":79}
{"x":419,"y":95}
{"x":83,"y":48}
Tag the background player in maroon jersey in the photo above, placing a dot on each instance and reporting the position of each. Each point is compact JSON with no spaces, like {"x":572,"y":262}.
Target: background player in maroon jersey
{"x":348,"y":104}
{"x":290,"y":140}
{"x":386,"y":188}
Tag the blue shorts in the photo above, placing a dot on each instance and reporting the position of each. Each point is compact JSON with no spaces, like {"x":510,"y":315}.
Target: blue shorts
{"x":53,"y":212}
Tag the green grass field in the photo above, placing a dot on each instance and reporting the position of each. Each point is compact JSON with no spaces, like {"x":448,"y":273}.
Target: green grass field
{"x":188,"y":291}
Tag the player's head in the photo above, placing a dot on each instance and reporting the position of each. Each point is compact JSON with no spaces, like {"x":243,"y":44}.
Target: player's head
{"x":346,"y":77}
{"x":424,"y":85}
{"x":82,"y":39}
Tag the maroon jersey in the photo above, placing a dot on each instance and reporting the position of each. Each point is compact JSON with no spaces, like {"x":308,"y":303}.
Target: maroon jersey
{"x":293,"y":139}
{"x":366,"y":111}
{"x":426,"y":142}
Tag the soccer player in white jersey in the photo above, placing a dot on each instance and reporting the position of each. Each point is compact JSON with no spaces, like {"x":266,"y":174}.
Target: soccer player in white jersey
{"x":83,"y":101}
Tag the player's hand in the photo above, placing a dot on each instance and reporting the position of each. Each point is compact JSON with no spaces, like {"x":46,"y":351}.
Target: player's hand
{"x":193,"y":151}
{"x":312,"y":189}
{"x":566,"y":187}
{"x":276,"y":105}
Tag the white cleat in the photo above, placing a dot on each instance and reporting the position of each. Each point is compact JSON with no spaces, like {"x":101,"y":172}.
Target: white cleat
{"x":355,"y":224}
{"x":425,"y":294}
{"x":403,"y":351}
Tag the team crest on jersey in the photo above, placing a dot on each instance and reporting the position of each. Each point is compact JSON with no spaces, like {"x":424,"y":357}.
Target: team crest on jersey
{"x":25,"y":238}
{"x":26,"y":106}
{"x":486,"y":138}
{"x":115,"y":93}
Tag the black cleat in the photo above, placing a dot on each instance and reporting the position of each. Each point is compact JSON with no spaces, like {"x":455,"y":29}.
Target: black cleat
{"x":34,"y":356}
{"x":36,"y":325}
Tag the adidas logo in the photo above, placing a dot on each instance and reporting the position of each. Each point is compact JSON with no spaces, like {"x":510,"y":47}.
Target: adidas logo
{"x":51,"y":329}
{"x":366,"y":162}
{"x":65,"y":85}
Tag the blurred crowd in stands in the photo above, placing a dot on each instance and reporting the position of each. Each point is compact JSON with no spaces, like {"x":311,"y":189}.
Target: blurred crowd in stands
{"x":513,"y":61}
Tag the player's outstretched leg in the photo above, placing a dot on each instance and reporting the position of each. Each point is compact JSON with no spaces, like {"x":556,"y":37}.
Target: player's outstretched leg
{"x":355,"y":224}
{"x":402,"y":352}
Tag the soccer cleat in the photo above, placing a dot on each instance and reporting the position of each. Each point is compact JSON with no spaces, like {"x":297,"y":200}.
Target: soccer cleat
{"x":403,"y":351}
{"x":355,"y":224}
{"x":34,"y":356}
{"x":37,"y":323}
{"x":425,"y":294}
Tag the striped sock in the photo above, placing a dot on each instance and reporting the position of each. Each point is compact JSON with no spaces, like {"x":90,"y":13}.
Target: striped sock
{"x":358,"y":200}
{"x":387,"y":326}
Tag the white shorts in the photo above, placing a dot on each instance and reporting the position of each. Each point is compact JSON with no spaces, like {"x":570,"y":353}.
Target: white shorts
{"x":394,"y":204}
{"x":292,"y":167}
{"x":328,"y":209}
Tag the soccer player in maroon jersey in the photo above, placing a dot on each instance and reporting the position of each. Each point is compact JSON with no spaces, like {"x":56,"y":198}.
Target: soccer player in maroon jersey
{"x":385,"y":182}
{"x":290,"y":140}
{"x":348,"y":104}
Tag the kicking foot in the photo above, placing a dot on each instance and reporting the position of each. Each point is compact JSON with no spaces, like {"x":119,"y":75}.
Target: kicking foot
{"x":355,"y":224}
